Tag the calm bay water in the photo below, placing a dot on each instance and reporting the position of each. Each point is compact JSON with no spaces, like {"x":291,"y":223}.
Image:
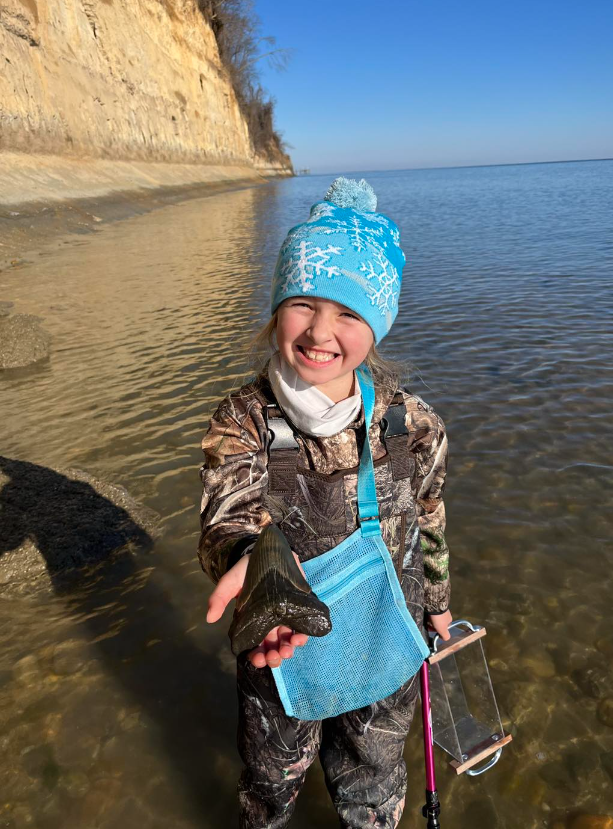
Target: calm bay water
{"x":117,"y":704}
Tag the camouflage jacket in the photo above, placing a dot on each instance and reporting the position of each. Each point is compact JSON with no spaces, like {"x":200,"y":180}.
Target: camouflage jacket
{"x":235,"y":503}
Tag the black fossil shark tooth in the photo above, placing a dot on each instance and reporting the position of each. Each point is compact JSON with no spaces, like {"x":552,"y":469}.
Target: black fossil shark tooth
{"x":275,"y":593}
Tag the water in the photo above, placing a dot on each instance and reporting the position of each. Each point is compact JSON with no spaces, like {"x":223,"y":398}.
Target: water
{"x":117,"y":704}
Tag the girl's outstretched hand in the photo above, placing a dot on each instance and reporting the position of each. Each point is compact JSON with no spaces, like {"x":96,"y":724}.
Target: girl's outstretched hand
{"x":279,"y":644}
{"x":440,"y":623}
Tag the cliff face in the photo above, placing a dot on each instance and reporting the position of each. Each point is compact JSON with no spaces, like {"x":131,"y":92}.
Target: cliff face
{"x":139,"y":80}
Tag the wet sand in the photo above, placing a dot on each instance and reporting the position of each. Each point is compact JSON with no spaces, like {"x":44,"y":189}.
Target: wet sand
{"x":43,"y":198}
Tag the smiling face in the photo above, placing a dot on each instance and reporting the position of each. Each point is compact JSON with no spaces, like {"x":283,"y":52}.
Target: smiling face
{"x":324,"y":342}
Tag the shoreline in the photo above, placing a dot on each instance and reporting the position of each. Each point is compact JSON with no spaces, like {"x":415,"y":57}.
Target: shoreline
{"x":43,"y":198}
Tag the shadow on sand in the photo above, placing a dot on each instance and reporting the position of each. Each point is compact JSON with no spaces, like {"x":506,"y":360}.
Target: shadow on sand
{"x":113,"y":595}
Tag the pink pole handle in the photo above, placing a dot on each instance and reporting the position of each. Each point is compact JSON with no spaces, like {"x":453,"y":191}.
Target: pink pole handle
{"x":426,"y":714}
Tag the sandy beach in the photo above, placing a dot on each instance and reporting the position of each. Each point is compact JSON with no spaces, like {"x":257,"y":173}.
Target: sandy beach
{"x":42,"y":198}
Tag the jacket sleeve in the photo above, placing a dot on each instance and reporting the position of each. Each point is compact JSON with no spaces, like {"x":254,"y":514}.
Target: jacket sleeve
{"x":428,"y":442}
{"x":234,"y":480}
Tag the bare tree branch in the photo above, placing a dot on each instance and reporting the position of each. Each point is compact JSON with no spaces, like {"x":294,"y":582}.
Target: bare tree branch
{"x":237,"y":30}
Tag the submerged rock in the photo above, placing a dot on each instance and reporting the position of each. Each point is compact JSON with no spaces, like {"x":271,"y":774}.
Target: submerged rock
{"x":538,"y":663}
{"x":558,"y":776}
{"x":36,"y":760}
{"x":27,"y":670}
{"x":22,"y":816}
{"x":129,"y":812}
{"x":606,"y":761}
{"x":593,"y":681}
{"x":22,"y":341}
{"x":605,"y":711}
{"x":104,"y":792}
{"x":481,"y":812}
{"x":75,"y":784}
{"x":69,"y":657}
{"x":591,"y":822}
{"x":605,"y":646}
{"x":57,"y":522}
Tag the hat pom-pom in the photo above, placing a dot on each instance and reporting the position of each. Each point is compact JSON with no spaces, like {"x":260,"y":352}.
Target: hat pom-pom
{"x":347,"y":192}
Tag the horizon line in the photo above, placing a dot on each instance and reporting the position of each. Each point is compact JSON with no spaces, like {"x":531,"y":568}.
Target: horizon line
{"x":466,"y":166}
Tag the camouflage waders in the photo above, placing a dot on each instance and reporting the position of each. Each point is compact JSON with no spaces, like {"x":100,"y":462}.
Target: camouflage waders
{"x":308,"y":487}
{"x":361,"y":751}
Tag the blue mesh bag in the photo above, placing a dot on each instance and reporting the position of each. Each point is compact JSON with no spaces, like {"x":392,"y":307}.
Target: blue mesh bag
{"x":374,"y":646}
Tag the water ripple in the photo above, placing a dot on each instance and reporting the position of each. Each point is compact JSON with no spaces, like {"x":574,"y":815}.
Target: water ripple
{"x":506,"y":323}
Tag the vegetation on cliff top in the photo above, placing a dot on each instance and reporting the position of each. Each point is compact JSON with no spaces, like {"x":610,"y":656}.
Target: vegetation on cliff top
{"x":237,"y":29}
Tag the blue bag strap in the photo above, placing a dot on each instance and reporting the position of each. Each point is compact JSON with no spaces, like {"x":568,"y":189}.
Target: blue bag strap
{"x":368,"y":507}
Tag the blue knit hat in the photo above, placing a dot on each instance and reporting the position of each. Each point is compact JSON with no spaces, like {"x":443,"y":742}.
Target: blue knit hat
{"x":345,"y":252}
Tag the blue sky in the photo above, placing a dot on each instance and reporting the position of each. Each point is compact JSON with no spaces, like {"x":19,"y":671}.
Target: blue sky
{"x":399,"y":83}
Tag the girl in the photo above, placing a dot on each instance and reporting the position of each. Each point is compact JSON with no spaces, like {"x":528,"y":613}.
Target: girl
{"x":295,"y":448}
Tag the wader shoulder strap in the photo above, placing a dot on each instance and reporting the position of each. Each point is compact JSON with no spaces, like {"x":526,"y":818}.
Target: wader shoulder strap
{"x":395,"y":437}
{"x":283,"y":448}
{"x":282,"y":453}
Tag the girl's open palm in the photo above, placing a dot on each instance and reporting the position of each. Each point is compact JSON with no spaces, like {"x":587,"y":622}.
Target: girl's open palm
{"x":279,"y":644}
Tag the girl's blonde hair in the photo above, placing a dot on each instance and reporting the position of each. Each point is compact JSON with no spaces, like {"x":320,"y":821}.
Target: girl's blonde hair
{"x":385,"y":372}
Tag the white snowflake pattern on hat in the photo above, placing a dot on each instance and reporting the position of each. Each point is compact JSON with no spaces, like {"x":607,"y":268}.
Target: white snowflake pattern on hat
{"x":360,"y":234}
{"x":386,"y":277}
{"x":304,"y":264}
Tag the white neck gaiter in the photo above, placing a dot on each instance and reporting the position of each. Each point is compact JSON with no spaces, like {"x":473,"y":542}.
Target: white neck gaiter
{"x":309,"y":409}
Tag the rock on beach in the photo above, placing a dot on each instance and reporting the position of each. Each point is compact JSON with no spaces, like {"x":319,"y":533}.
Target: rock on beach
{"x":22,"y":341}
{"x":55,"y":522}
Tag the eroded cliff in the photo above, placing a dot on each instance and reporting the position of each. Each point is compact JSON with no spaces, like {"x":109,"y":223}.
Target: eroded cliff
{"x":134,"y":81}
